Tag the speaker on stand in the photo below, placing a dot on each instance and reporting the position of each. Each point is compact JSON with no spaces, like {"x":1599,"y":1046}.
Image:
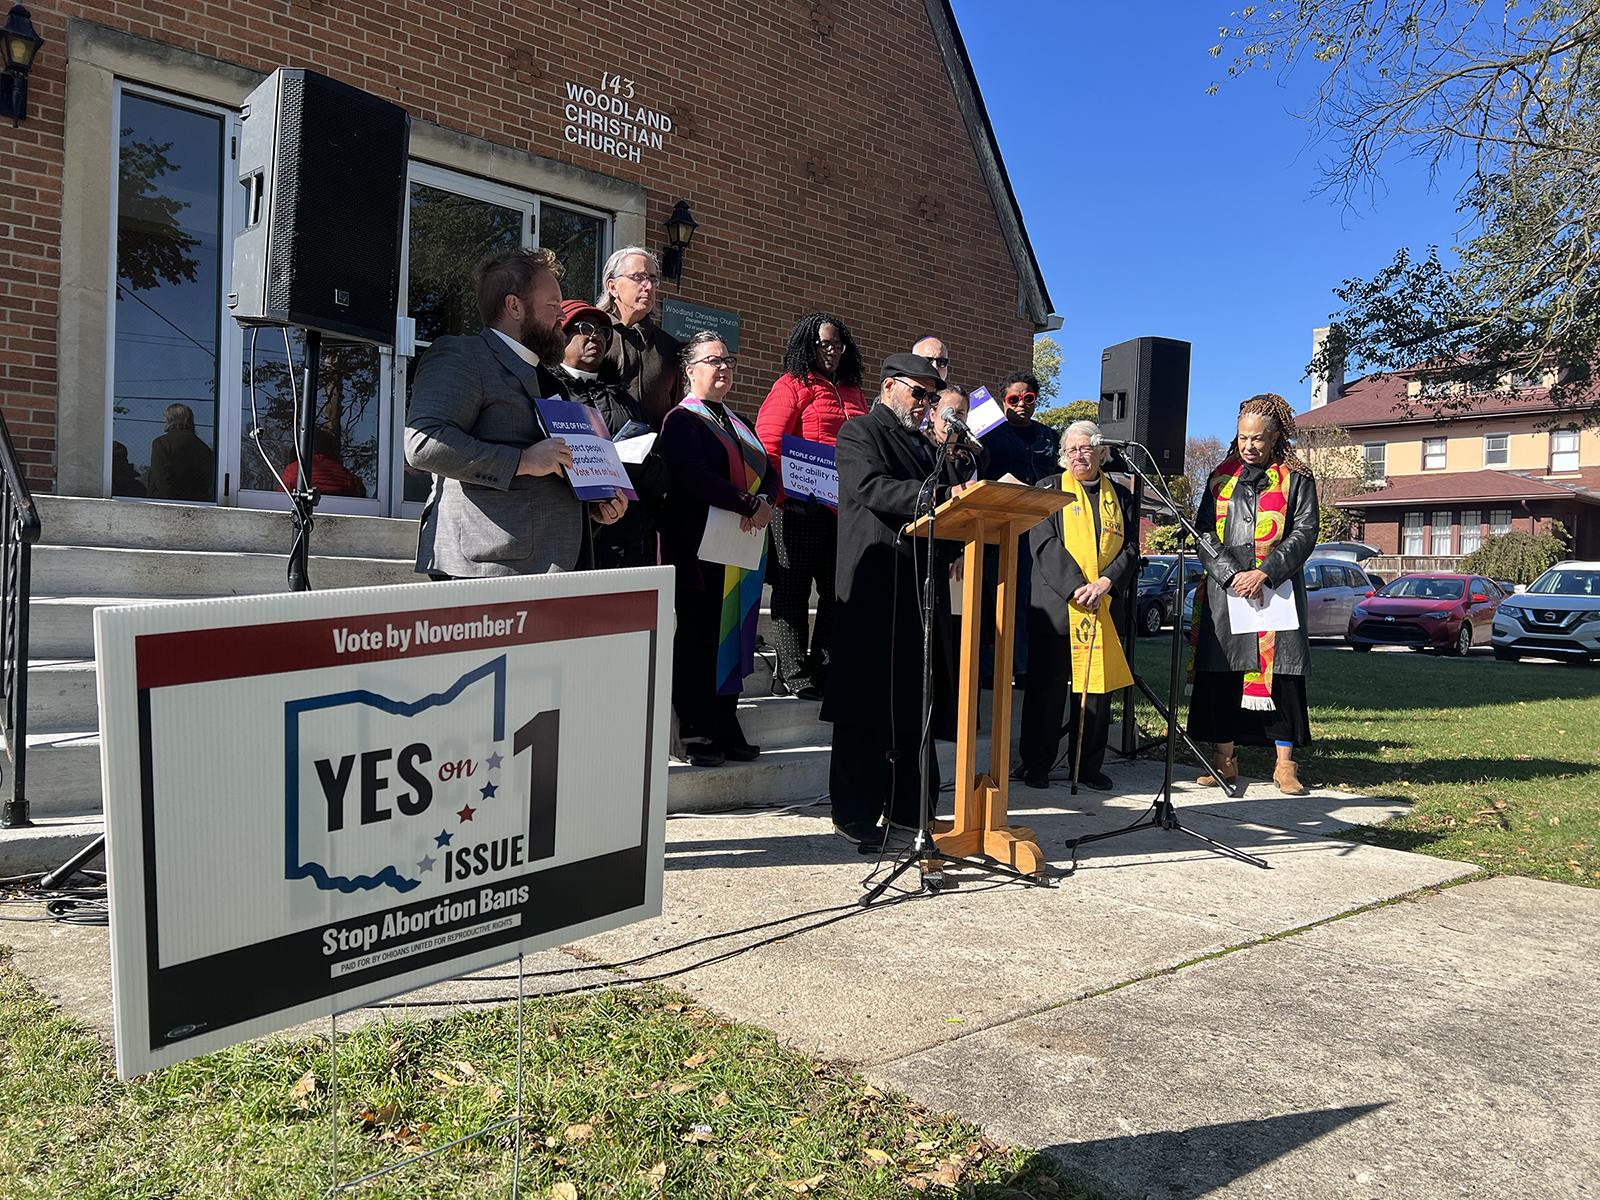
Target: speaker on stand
{"x":1144,"y":398}
{"x":323,"y":168}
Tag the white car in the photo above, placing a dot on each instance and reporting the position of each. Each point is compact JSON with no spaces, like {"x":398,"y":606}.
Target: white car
{"x":1557,"y":617}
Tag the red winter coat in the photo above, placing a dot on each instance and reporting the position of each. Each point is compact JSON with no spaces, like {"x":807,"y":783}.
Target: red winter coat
{"x":813,"y":411}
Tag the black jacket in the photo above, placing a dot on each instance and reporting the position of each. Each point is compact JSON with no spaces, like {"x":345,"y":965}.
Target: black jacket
{"x":876,"y":674}
{"x":649,"y":478}
{"x":698,"y":462}
{"x":1219,"y":649}
{"x":1058,"y":572}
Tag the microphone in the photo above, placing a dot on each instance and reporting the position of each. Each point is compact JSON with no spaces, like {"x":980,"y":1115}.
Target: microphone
{"x":1100,"y":439}
{"x":947,"y":414}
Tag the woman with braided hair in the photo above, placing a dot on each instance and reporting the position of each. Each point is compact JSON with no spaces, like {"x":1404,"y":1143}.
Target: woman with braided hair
{"x":1250,"y":688}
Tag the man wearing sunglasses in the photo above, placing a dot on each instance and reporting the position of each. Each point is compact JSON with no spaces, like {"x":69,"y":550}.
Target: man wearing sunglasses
{"x":874,"y":690}
{"x":642,"y":358}
{"x":1027,"y":450}
{"x":936,"y":352}
{"x":631,"y":541}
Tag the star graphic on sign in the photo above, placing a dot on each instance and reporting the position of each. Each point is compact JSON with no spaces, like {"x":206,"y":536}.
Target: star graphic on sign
{"x":427,"y":863}
{"x":493,"y":762}
{"x":466,"y":812}
{"x":443,"y":839}
{"x":488,"y":790}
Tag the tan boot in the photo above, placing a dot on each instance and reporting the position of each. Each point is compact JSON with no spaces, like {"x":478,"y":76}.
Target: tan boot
{"x":1226,"y":768}
{"x":1288,"y":781}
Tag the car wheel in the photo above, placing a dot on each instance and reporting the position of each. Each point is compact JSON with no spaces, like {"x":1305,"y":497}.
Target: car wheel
{"x":1150,"y":619}
{"x":1360,"y":647}
{"x":1501,"y":654}
{"x":1463,"y":646}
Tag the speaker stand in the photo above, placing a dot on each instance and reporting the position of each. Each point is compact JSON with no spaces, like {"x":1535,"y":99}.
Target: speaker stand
{"x":305,"y":496}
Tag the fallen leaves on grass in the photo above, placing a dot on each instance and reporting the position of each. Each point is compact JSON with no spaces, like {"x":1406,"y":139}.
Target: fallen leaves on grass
{"x":801,"y":1187}
{"x":881,"y":1157}
{"x":563,"y":1191}
{"x":577,"y":1133}
{"x":305,"y":1089}
{"x":696,"y":1060}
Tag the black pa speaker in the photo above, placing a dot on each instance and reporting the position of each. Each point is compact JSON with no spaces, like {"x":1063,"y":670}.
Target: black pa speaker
{"x":323,"y":167}
{"x":1144,"y":397}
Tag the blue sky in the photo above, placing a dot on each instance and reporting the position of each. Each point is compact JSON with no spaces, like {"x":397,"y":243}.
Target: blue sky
{"x":1156,"y":209}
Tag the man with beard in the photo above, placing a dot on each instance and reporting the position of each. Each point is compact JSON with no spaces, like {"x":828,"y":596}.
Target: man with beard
{"x":874,"y":696}
{"x":500,"y":503}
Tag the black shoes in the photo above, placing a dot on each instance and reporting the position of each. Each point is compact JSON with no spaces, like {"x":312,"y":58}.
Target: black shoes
{"x":707,"y":758}
{"x":743,"y":753}
{"x":1097,"y":781}
{"x":1037,"y":779}
{"x":810,"y":692}
{"x":858,"y":832}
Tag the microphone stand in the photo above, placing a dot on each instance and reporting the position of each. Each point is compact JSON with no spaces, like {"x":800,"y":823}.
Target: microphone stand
{"x":1162,"y":814}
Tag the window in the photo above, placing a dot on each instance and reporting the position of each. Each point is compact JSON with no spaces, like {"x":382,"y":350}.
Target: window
{"x":1434,"y":387}
{"x":1375,"y":456}
{"x":1411,"y":533}
{"x":1528,"y":379}
{"x":1313,"y":578}
{"x":1563,"y":451}
{"x":1471,"y":530}
{"x":579,"y":242}
{"x":1499,"y":522}
{"x":1443,"y":535}
{"x":1433,"y":454}
{"x":1496,"y":449}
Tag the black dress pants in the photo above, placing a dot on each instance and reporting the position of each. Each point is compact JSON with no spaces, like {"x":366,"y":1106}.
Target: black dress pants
{"x":864,"y":784}
{"x":806,"y":545}
{"x":706,"y":721}
{"x":1046,"y":707}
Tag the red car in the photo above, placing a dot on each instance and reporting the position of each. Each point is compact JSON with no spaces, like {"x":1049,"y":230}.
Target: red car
{"x":1453,"y":613}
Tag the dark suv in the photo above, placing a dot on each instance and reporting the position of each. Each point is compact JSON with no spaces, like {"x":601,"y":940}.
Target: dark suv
{"x":1158,"y":590}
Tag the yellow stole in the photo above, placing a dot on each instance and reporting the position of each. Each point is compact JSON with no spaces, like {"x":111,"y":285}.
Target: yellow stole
{"x":1098,"y":664}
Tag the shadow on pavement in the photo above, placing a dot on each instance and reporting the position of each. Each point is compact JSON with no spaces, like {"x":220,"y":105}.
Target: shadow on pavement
{"x":1181,"y":1164}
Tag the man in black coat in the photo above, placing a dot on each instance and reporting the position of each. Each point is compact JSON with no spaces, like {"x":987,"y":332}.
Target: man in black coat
{"x":874,"y":696}
{"x":1058,"y":580}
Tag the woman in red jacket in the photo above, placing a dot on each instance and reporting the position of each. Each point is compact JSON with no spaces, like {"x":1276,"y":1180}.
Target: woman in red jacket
{"x":819,"y":391}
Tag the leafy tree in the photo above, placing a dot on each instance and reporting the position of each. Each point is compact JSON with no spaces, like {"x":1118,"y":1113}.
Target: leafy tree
{"x":152,"y":248}
{"x":1163,"y":539}
{"x":1047,"y":367}
{"x":1511,"y":89}
{"x":1201,"y":456}
{"x":1517,"y":556}
{"x":1340,"y":471}
{"x":1062,"y":415}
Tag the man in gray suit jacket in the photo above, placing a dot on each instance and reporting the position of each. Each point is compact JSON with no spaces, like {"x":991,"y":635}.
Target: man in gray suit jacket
{"x":500,"y":504}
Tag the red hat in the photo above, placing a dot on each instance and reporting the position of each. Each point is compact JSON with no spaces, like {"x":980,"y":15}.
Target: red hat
{"x":582,"y":310}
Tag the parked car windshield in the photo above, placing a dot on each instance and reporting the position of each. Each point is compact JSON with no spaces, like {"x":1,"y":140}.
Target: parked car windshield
{"x":1567,"y":583}
{"x":1155,"y":571}
{"x":1421,"y":587}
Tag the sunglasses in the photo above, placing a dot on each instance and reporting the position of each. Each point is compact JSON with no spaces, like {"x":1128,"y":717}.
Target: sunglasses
{"x":1021,"y":398}
{"x":730,"y":361}
{"x":588,"y":330}
{"x":940,"y":362}
{"x":918,"y":392}
{"x":830,"y":345}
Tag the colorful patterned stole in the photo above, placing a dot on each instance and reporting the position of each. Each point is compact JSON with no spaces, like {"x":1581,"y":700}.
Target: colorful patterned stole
{"x":1272,"y":511}
{"x":1101,"y":667}
{"x":741,"y":589}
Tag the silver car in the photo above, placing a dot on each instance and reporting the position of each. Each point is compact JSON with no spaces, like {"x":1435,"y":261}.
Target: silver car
{"x":1333,"y":588}
{"x":1557,"y":617}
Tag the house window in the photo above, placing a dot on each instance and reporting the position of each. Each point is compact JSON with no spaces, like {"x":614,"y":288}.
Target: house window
{"x":1433,"y":451}
{"x":1375,"y":455}
{"x":1499,"y":522}
{"x":1528,"y":379}
{"x":579,"y":242}
{"x":1563,"y":451}
{"x":1471,"y":530}
{"x":1434,"y":387}
{"x":1497,"y":450}
{"x":1411,"y":533}
{"x":1443,"y":536}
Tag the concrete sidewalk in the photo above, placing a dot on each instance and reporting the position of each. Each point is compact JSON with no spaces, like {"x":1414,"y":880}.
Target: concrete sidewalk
{"x":1145,"y":1020}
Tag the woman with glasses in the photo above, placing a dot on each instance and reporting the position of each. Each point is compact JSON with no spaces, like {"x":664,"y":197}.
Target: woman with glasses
{"x":631,"y":541}
{"x":642,"y":358}
{"x":819,"y":390}
{"x":716,"y":462}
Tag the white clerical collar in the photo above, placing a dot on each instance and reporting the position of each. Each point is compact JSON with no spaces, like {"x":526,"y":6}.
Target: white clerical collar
{"x":591,"y":376}
{"x":526,"y":355}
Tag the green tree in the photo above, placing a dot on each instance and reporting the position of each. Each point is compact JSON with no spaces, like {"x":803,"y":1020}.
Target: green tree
{"x":1513,"y":91}
{"x":1047,"y":367}
{"x":1517,"y":557}
{"x":1062,"y":415}
{"x":152,"y":248}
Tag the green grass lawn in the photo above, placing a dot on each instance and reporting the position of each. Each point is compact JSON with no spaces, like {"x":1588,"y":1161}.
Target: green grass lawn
{"x":628,"y":1093}
{"x":1500,"y":762}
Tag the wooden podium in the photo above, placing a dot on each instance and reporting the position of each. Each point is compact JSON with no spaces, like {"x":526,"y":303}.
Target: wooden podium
{"x":990,"y":514}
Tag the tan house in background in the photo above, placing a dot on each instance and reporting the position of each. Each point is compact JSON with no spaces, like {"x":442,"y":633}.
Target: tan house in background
{"x":1444,"y":485}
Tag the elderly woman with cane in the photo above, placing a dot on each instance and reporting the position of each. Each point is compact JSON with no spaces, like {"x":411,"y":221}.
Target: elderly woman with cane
{"x":1249,"y":687}
{"x":1082,"y":555}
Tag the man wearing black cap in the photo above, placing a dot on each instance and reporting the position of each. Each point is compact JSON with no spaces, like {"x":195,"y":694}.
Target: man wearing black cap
{"x":874,"y":696}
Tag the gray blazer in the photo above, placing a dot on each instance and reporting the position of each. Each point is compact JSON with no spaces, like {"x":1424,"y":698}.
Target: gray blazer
{"x":470,"y":417}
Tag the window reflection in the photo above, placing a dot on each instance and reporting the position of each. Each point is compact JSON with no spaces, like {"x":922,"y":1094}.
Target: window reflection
{"x":168,"y":302}
{"x":578,"y":240}
{"x":345,"y":458}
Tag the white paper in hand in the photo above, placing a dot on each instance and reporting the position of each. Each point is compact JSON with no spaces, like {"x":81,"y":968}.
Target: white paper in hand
{"x":725,"y":542}
{"x":1272,"y":610}
{"x":636,"y":449}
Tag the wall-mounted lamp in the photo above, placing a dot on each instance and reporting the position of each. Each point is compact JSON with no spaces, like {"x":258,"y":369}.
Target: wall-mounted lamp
{"x":18,"y":44}
{"x":680,"y":232}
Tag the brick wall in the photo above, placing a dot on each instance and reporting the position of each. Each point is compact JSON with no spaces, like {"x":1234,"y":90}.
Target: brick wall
{"x":819,"y":145}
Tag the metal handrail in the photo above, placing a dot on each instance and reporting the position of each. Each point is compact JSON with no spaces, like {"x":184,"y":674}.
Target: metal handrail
{"x":19,"y":530}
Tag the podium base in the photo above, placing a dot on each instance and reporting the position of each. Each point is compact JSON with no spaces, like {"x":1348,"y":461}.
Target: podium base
{"x":1015,"y":846}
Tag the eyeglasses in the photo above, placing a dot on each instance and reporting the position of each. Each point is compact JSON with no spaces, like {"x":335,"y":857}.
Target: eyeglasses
{"x":730,"y":361}
{"x":918,"y":392}
{"x":941,"y":363}
{"x":1021,"y":397}
{"x":641,"y":277}
{"x":834,"y":345}
{"x":588,"y":330}
{"x":1079,"y":451}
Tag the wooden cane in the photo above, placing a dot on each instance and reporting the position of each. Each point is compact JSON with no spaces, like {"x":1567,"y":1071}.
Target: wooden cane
{"x":1083,"y":702}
